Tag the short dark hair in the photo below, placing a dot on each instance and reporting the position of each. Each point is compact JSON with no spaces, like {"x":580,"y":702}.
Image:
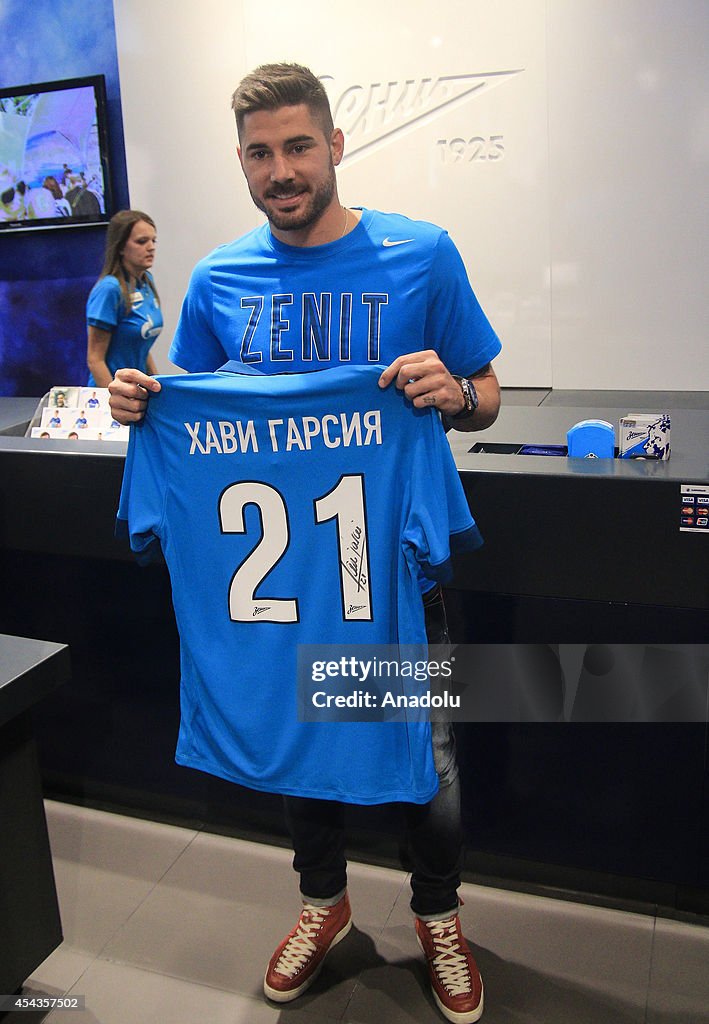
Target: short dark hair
{"x":272,"y":86}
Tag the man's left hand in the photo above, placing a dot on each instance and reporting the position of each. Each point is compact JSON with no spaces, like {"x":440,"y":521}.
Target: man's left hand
{"x":425,"y":381}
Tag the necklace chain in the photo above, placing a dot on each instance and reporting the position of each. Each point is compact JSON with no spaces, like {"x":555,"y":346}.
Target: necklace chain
{"x":347,"y":220}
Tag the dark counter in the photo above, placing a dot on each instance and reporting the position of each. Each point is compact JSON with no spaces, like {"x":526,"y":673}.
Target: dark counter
{"x":30,"y":670}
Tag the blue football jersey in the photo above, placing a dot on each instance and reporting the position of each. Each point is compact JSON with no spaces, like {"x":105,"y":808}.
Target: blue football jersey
{"x":293,"y":509}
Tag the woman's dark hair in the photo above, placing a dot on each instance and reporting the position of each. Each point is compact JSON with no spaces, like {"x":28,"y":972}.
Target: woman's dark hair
{"x":118,"y":233}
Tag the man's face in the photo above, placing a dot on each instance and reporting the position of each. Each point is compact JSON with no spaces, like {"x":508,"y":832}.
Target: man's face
{"x":289,"y":165}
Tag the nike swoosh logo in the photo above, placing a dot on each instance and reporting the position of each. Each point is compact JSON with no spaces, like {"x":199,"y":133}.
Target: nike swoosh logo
{"x":400,"y":241}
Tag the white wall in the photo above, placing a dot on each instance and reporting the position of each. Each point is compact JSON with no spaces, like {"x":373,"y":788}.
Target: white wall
{"x":628,"y":158}
{"x":563,"y":143}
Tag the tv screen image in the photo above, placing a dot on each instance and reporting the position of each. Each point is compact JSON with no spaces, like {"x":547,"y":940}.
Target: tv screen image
{"x":53,"y":155}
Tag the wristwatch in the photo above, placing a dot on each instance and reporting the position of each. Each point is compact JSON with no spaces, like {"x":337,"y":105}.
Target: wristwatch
{"x":470,"y":396}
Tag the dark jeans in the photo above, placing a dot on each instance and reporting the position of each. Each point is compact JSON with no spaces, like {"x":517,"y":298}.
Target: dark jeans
{"x":433,"y":830}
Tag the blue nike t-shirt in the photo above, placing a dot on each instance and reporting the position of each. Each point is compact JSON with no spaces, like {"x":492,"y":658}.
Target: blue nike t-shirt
{"x":293,"y":509}
{"x":391,"y":286}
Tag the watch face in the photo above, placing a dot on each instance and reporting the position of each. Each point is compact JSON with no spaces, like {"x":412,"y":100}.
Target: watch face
{"x":473,"y":395}
{"x":466,"y":396}
{"x":470,"y":395}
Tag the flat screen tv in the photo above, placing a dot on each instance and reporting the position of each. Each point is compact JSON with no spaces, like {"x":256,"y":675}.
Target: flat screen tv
{"x":54,"y":169}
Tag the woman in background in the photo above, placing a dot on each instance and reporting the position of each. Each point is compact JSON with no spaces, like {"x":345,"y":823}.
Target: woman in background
{"x":123,"y":310}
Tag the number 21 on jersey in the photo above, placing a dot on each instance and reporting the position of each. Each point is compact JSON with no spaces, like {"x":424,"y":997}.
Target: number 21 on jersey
{"x":345,"y":503}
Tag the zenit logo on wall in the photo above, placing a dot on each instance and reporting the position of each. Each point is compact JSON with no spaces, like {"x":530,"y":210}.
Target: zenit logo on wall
{"x":374,"y":114}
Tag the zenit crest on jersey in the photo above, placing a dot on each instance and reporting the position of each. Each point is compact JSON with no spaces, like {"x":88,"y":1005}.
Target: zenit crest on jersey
{"x":293,"y":509}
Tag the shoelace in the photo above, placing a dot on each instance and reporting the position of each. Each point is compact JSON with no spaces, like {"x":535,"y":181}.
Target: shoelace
{"x":300,"y":947}
{"x":450,"y":964}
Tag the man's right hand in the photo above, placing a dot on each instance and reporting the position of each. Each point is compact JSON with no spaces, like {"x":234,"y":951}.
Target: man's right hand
{"x":130,"y":390}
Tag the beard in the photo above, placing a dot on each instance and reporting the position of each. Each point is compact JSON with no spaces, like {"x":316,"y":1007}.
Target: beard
{"x":320,"y":198}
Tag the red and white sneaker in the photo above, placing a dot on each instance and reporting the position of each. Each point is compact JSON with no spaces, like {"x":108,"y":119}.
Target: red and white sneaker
{"x":298,"y":960}
{"x":455,"y":979}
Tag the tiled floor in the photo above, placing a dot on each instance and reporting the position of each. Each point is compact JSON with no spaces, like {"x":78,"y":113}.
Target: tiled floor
{"x":166,"y":925}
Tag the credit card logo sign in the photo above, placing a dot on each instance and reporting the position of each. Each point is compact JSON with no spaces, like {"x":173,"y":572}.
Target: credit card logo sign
{"x":694,"y":509}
